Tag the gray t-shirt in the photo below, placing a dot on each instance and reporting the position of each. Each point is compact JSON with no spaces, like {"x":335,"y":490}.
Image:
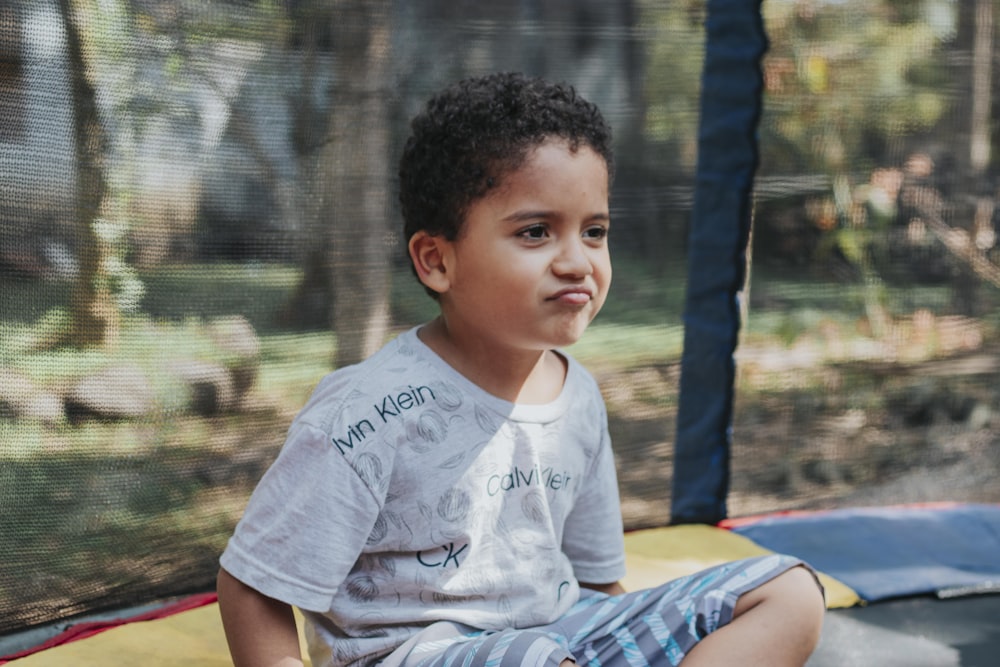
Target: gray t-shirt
{"x":405,"y":495}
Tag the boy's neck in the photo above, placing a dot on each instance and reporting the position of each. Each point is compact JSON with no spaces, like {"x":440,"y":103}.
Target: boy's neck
{"x":515,"y":375}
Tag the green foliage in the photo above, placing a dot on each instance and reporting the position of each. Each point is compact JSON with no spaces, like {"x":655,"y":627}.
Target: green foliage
{"x":844,"y":78}
{"x":673,"y":78}
{"x":19,"y":337}
{"x":122,"y":280}
{"x":838,"y":74}
{"x":607,"y":346}
{"x":255,"y":290}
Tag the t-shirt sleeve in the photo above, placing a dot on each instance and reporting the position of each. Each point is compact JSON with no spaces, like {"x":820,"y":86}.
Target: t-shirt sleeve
{"x":593,"y":538}
{"x":305,"y":524}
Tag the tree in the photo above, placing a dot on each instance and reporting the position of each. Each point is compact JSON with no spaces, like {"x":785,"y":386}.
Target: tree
{"x":341,"y":136}
{"x":358,"y":172}
{"x":95,"y":317}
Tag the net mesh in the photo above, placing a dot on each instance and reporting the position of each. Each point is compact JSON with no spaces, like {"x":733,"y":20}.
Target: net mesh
{"x":197,"y":221}
{"x":867,"y":369}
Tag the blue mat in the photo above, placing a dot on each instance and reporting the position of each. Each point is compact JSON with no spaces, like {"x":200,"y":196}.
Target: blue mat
{"x":892,"y":552}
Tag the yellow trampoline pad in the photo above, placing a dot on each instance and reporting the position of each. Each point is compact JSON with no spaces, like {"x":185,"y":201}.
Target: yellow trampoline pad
{"x":188,"y":638}
{"x":195,"y":637}
{"x":658,"y":555}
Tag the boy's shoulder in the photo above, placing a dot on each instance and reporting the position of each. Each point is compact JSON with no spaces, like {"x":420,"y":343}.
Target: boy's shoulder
{"x":399,"y":364}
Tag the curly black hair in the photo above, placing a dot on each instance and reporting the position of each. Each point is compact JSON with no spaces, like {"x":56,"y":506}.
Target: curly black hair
{"x":475,"y":132}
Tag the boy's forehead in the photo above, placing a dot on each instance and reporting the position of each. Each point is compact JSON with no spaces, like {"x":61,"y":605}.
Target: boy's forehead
{"x":545,"y":168}
{"x":531,"y":158}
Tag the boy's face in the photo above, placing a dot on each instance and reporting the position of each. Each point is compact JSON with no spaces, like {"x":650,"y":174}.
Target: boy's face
{"x":530,"y":268}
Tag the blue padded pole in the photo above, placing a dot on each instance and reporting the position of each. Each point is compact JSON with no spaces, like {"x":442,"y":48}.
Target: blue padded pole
{"x":720,"y":227}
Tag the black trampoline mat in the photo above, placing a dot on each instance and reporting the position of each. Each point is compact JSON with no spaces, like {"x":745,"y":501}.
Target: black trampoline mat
{"x":913,"y":632}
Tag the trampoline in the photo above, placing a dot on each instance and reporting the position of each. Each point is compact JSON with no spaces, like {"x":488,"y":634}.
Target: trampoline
{"x":799,"y":353}
{"x":935,"y":607}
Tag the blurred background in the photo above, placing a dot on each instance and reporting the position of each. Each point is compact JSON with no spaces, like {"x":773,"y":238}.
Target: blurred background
{"x":198,"y":220}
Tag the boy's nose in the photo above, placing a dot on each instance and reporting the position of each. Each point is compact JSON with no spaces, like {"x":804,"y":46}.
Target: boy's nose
{"x":572,"y":259}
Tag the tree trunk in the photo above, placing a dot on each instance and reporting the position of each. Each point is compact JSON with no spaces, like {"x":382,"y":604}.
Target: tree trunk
{"x":94,"y":315}
{"x":343,"y":149}
{"x":355,"y":164}
{"x":982,"y":75}
{"x":975,"y":220}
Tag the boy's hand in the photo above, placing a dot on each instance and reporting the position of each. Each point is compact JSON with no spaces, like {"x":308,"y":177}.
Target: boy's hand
{"x":614,"y":588}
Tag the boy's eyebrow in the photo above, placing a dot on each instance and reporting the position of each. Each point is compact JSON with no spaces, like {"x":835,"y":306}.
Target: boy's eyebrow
{"x":532,"y":214}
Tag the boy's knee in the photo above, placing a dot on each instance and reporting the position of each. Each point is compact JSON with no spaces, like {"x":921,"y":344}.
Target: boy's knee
{"x":796,"y":590}
{"x":804,"y":587}
{"x":777,"y":623}
{"x":804,"y":600}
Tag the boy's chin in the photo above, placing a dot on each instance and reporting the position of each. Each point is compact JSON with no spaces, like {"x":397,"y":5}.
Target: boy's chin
{"x":567,"y":337}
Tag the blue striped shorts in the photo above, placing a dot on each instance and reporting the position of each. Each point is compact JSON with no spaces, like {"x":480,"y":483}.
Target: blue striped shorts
{"x":655,"y":626}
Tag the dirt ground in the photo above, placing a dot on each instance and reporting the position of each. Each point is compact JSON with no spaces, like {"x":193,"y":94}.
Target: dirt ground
{"x":907,"y":433}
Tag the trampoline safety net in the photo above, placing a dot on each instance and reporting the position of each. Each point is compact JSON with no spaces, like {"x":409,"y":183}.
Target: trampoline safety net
{"x":198,"y":221}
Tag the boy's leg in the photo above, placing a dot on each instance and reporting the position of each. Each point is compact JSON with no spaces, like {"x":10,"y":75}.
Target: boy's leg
{"x":774,"y":625}
{"x":663,"y":625}
{"x":447,"y":644}
{"x":768,"y":601}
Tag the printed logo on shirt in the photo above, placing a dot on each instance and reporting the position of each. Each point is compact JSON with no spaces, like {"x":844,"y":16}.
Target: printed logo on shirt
{"x":391,"y":406}
{"x":447,"y":555}
{"x":519,"y":477}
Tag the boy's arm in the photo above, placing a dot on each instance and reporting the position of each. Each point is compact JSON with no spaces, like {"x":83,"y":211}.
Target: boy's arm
{"x":614,"y":588}
{"x":260,"y":630}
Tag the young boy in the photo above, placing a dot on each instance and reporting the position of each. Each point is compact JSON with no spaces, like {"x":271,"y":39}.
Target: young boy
{"x":452,"y":500}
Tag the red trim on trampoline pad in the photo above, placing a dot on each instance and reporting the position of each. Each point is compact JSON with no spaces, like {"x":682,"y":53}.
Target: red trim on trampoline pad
{"x":91,"y":628}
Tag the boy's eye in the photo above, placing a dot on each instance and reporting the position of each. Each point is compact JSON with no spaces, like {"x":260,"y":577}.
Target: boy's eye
{"x":596,"y":232}
{"x":534,"y":232}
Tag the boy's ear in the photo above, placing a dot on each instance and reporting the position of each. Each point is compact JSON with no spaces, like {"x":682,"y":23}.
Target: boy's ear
{"x":428,"y":254}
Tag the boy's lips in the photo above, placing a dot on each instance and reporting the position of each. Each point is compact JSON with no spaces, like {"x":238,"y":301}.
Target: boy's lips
{"x":576,"y":295}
